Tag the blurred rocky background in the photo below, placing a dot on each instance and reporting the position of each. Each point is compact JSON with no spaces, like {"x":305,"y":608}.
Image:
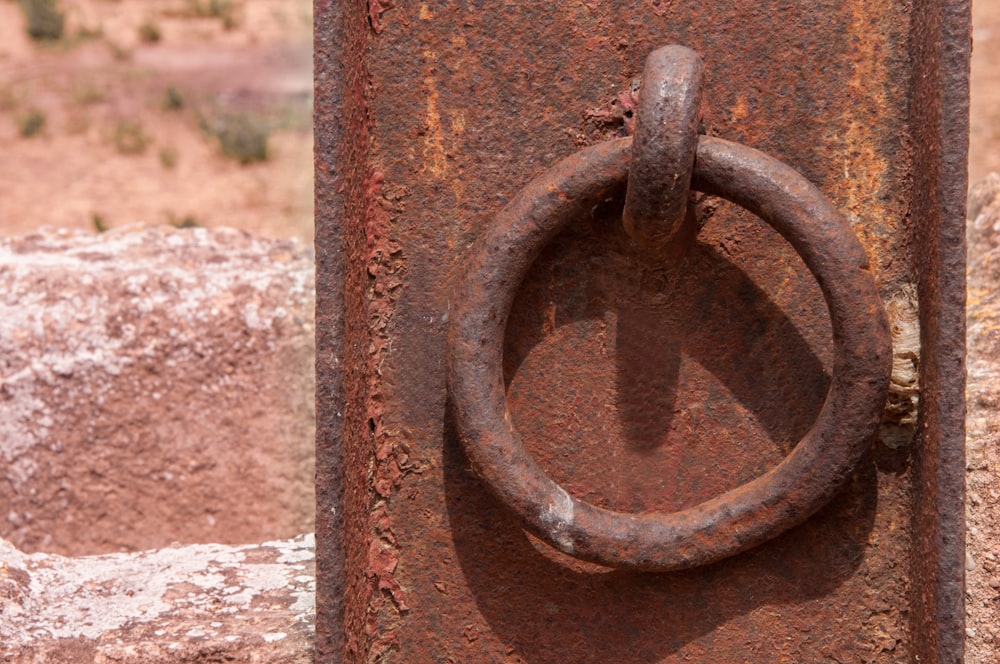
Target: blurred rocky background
{"x":183,"y":112}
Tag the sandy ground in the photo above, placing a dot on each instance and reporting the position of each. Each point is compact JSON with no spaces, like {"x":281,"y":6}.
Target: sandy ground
{"x":983,"y":453}
{"x":114,"y":150}
{"x":984,"y":152}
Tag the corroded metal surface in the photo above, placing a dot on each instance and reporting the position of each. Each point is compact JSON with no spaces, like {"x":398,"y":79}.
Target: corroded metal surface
{"x":725,"y":525}
{"x":663,"y":149}
{"x":330,"y":48}
{"x":940,"y":105}
{"x":449,"y":109}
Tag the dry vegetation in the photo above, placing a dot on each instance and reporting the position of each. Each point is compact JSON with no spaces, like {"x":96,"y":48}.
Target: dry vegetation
{"x":114,"y":112}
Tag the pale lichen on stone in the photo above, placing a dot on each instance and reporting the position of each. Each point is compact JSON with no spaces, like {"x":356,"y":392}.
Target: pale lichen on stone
{"x":156,"y":385}
{"x":152,"y":382}
{"x":176,"y":595}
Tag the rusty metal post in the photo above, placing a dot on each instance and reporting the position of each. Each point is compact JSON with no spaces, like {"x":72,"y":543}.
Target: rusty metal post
{"x":330,"y":64}
{"x":632,"y":378}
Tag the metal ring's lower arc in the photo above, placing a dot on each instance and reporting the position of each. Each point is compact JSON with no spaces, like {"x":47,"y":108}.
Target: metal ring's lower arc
{"x":745,"y":516}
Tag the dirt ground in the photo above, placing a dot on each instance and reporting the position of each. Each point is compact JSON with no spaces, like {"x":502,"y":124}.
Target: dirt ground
{"x":984,"y":151}
{"x":119,"y":121}
{"x":983,"y":454}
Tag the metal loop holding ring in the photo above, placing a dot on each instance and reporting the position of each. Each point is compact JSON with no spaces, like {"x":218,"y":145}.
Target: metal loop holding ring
{"x":743,"y":517}
{"x":663,"y":147}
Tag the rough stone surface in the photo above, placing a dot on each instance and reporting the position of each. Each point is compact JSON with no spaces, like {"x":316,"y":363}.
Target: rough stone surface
{"x":983,"y":426}
{"x":198,"y":603}
{"x":156,"y":386}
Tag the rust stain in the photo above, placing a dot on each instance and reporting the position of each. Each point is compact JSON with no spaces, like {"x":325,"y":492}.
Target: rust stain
{"x":739,"y":111}
{"x":385,"y":270}
{"x":375,"y":10}
{"x":435,"y":153}
{"x":458,"y":123}
{"x":435,"y":159}
{"x":383,"y":557}
{"x":864,"y":164}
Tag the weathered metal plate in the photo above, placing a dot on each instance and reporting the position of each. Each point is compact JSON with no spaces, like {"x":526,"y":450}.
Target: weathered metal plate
{"x":639,"y":382}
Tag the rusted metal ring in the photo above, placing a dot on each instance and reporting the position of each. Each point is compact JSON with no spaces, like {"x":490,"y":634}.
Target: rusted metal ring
{"x":663,"y":146}
{"x":745,"y":516}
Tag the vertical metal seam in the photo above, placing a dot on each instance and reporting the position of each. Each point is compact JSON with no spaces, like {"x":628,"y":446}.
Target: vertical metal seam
{"x":329,"y":69}
{"x":939,"y":108}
